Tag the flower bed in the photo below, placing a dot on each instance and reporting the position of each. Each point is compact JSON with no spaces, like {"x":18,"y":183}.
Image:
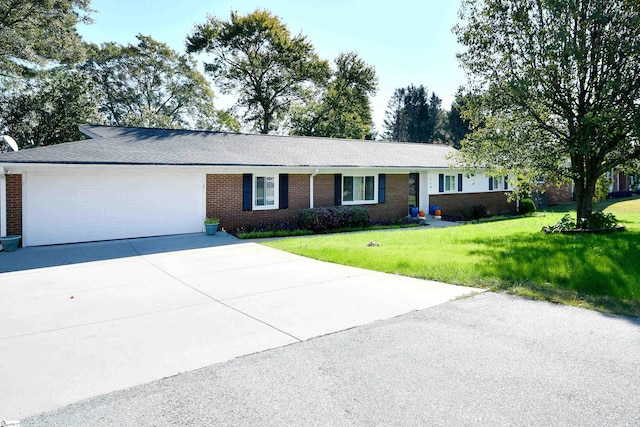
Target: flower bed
{"x":594,"y":223}
{"x":322,"y":219}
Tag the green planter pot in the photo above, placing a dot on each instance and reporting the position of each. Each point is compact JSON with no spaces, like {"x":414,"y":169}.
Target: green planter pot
{"x":10,"y":243}
{"x":211,"y":228}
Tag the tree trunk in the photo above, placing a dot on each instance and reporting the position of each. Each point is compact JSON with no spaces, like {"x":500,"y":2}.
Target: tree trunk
{"x":584,"y":191}
{"x":266,"y":121}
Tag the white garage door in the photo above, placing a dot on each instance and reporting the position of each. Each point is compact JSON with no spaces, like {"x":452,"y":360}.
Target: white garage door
{"x":82,"y":206}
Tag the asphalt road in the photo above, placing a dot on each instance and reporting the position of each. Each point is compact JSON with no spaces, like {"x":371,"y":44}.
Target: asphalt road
{"x":490,"y":359}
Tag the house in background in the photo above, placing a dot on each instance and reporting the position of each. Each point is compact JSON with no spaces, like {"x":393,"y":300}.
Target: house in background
{"x":551,"y":195}
{"x":137,"y":182}
{"x":620,"y":185}
{"x":621,"y":182}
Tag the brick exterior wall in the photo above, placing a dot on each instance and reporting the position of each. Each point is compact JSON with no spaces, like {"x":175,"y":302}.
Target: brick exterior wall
{"x":396,"y":196}
{"x":224,"y":200}
{"x":14,"y":204}
{"x":323,"y":190}
{"x":396,"y":203}
{"x":453,"y":204}
{"x":623,"y":182}
{"x":558,"y":195}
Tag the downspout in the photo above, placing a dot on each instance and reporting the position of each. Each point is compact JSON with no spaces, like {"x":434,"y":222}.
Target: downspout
{"x":311,"y":187}
{"x":3,"y":203}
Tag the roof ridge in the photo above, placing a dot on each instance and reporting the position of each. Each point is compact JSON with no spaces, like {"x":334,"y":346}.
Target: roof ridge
{"x":320,"y":138}
{"x":137,"y":145}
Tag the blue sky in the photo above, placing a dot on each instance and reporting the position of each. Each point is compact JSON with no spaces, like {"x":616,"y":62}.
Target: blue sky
{"x":407,"y":41}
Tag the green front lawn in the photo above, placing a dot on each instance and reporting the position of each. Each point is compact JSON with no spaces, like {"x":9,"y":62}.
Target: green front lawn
{"x":600,"y":271}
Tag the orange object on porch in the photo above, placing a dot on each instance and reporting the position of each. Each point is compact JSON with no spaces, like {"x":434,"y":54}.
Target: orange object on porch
{"x":438,"y":213}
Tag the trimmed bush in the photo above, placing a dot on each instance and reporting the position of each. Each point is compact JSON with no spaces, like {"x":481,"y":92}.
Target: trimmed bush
{"x":599,"y":221}
{"x":527,"y":207}
{"x":619,"y":194}
{"x":474,"y":212}
{"x":322,"y":219}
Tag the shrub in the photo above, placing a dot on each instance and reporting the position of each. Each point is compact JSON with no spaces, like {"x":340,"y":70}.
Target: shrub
{"x":454,"y":218}
{"x":272,"y":233}
{"x":527,"y":207}
{"x":599,"y":221}
{"x":566,"y":223}
{"x":274,"y":227}
{"x":474,"y":212}
{"x":619,"y":194}
{"x":321,"y":219}
{"x":593,"y":221}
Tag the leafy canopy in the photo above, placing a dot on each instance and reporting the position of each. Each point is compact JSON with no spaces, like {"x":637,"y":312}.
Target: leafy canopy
{"x":151,"y":85}
{"x":256,"y":57}
{"x":413,"y":116}
{"x":560,"y":88}
{"x":46,"y":108}
{"x":457,"y":126}
{"x":342,"y":109}
{"x":34,"y":32}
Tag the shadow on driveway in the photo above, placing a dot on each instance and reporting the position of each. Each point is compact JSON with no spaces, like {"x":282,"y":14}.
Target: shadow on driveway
{"x":55,"y":255}
{"x":74,"y":253}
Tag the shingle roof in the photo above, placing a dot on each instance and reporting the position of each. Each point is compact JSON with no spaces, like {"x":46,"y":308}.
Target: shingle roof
{"x":145,"y":146}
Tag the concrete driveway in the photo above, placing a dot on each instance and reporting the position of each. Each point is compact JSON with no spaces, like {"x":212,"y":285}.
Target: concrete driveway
{"x":81,"y":320}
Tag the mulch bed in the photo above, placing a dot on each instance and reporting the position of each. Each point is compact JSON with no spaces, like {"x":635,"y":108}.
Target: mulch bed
{"x":597,"y":231}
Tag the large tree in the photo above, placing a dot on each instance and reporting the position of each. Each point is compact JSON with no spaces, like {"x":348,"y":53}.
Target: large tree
{"x":343,"y":108}
{"x":395,"y":127}
{"x":46,"y":108}
{"x":412,"y":115}
{"x":149,"y":84}
{"x":33,"y":32}
{"x":560,"y":86}
{"x":458,"y":127}
{"x":256,"y":57}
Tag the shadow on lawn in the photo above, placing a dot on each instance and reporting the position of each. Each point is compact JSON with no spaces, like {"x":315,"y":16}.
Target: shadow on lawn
{"x":601,"y":271}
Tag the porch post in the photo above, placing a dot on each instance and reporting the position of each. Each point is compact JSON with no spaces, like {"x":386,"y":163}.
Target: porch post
{"x":424,"y":191}
{"x":311,"y":188}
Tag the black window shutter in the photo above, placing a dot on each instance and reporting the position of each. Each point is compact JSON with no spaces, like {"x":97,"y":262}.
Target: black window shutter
{"x":337,"y":189}
{"x":441,"y":183}
{"x":490,"y":183}
{"x":459,"y":182}
{"x":382,"y":186}
{"x":506,"y":184}
{"x":247,"y":183}
{"x":283,"y":188}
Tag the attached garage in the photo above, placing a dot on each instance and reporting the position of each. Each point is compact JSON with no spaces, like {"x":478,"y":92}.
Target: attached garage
{"x":127,"y":182}
{"x":65,"y":205}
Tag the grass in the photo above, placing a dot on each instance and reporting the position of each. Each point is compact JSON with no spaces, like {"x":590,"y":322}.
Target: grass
{"x":598,"y":271}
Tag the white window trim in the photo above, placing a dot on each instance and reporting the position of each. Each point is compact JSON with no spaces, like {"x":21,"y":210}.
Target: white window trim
{"x":276,"y":194}
{"x":360,"y":202}
{"x":455,"y":184}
